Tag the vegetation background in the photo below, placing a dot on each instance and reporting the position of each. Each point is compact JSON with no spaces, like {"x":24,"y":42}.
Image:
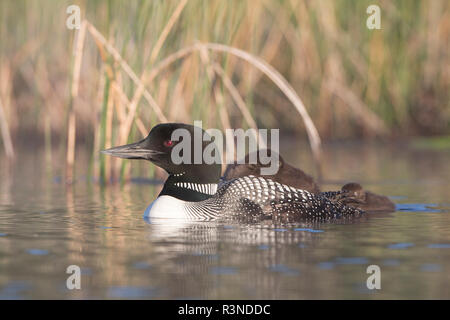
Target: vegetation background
{"x":136,"y":63}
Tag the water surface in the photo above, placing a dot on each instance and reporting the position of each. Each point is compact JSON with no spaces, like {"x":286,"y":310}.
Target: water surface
{"x":46,"y":225}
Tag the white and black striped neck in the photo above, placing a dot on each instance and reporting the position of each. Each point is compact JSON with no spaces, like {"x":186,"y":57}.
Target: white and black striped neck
{"x":191,"y":189}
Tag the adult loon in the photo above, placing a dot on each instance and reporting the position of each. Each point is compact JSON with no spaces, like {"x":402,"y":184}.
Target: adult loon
{"x":352,"y":194}
{"x":191,"y":193}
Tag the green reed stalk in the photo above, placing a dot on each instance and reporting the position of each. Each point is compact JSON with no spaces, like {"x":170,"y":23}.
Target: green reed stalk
{"x":102,"y":128}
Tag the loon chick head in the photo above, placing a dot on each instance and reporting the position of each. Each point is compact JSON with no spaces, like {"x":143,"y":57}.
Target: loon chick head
{"x":355,"y":189}
{"x":353,"y":195}
{"x":366,"y":200}
{"x":189,"y":192}
{"x":286,"y":174}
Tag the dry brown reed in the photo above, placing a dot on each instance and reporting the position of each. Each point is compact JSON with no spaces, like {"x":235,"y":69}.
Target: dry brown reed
{"x":6,"y":136}
{"x":284,"y":86}
{"x":353,"y":81}
{"x":126,"y":117}
{"x":71,"y":127}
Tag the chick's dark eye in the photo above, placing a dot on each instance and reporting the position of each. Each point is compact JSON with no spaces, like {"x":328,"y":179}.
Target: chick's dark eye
{"x":168,"y":143}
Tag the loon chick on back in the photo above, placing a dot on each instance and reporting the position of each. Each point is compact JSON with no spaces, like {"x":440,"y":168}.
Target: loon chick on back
{"x":191,"y":193}
{"x":286,"y":174}
{"x":352,"y":194}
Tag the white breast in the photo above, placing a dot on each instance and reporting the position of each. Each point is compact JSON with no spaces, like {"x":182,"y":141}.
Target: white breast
{"x":167,"y":207}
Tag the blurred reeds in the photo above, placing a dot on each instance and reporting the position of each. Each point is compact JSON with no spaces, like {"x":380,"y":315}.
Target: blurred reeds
{"x":136,"y":63}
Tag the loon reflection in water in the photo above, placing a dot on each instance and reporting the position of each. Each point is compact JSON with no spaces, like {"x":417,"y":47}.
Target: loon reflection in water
{"x":188,"y":192}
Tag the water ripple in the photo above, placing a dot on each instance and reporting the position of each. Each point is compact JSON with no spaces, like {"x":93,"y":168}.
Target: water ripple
{"x":401,"y":245}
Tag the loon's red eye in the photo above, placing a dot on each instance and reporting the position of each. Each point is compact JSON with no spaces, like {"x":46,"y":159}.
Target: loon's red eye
{"x":168,"y":143}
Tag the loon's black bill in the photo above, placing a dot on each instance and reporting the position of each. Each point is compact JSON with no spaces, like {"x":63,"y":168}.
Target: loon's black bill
{"x":131,"y":151}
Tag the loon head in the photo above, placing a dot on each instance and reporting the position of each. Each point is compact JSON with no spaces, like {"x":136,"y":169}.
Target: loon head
{"x":193,"y":179}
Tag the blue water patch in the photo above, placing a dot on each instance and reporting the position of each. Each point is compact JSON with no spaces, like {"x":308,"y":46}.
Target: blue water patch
{"x":439,"y":246}
{"x":391,"y":262}
{"x":146,"y":217}
{"x":141,"y":265}
{"x":131,"y":292}
{"x":417,"y":207}
{"x":86,"y":271}
{"x":308,"y":230}
{"x":37,"y":252}
{"x":326,"y":265}
{"x":228,"y":227}
{"x":3,"y":234}
{"x":302,"y":245}
{"x":13,"y":290}
{"x":281,"y":268}
{"x":401,"y":245}
{"x":280,"y":230}
{"x":351,"y":260}
{"x":104,"y":227}
{"x":430,"y":267}
{"x":263,"y":247}
{"x":57,"y":179}
{"x":223,"y":270}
